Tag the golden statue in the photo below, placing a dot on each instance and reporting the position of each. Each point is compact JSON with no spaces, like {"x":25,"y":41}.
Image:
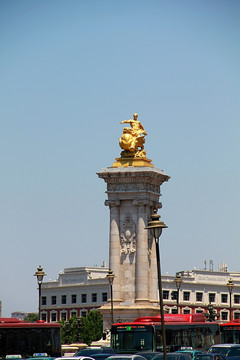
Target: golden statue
{"x":131,"y":142}
{"x":132,"y":139}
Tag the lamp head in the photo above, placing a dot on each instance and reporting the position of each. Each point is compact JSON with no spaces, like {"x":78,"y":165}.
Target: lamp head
{"x":39,"y":274}
{"x":155,"y":225}
{"x":110,"y":276}
{"x":178,"y":281}
{"x":230,"y":285}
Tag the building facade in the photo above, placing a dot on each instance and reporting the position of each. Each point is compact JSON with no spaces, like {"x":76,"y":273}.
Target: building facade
{"x":79,"y":290}
{"x":19,"y":315}
{"x":199,"y":289}
{"x":75,"y":292}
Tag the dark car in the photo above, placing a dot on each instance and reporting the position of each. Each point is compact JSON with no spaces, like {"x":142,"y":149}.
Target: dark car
{"x":95,"y":350}
{"x":209,"y":356}
{"x":231,"y":351}
{"x":100,"y":356}
{"x":148,"y":354}
{"x":173,"y":356}
{"x":191,"y":353}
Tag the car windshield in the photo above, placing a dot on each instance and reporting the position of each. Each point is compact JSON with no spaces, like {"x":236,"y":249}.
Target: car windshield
{"x":219,"y":350}
{"x":203,"y":357}
{"x":169,"y":357}
{"x":119,"y":358}
{"x":89,"y":352}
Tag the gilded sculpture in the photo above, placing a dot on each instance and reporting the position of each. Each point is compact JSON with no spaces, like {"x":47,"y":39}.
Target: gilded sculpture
{"x":133,"y":138}
{"x":132,"y":145}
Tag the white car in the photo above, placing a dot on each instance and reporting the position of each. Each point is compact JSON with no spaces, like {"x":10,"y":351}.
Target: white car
{"x":74,"y":358}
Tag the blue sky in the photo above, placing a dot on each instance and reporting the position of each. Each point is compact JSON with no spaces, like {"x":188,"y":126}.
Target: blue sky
{"x":71,"y":71}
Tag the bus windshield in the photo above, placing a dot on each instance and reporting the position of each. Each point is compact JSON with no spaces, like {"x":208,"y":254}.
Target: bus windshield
{"x":230,"y":333}
{"x":132,"y":338}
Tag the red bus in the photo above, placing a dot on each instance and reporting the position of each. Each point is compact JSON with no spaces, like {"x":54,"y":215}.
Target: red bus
{"x":230,"y":332}
{"x":183,"y":330}
{"x":24,"y":338}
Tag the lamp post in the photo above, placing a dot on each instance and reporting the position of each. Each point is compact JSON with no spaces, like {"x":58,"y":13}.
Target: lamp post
{"x":39,"y":274}
{"x":110,"y":277}
{"x":178,"y":281}
{"x":155,"y":226}
{"x":230,"y":286}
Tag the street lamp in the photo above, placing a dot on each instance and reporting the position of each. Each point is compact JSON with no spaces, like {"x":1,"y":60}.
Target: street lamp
{"x":110,"y":277}
{"x":178,"y":281}
{"x":39,"y":274}
{"x":155,"y":226}
{"x":230,"y":286}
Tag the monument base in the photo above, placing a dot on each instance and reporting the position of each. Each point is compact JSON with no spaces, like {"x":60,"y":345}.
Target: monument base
{"x":132,"y":161}
{"x":126,"y":312}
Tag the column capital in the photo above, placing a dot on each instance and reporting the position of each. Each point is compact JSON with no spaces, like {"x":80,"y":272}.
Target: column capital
{"x":112,"y":203}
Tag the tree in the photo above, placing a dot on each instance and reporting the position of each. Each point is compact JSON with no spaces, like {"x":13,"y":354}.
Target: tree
{"x":88,"y":329}
{"x":31,"y":317}
{"x":69,"y":330}
{"x":92,"y":327}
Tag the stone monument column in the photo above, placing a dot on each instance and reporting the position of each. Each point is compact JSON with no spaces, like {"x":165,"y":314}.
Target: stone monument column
{"x":133,"y":191}
{"x":142,"y":265}
{"x":114,"y":245}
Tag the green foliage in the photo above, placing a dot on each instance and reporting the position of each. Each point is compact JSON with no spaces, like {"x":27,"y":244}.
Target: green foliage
{"x":31,"y":317}
{"x":70,"y":330}
{"x":86,"y":329}
{"x":92,"y":327}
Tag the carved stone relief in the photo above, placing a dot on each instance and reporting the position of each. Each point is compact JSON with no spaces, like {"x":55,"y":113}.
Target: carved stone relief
{"x":133,"y":187}
{"x":128,"y":236}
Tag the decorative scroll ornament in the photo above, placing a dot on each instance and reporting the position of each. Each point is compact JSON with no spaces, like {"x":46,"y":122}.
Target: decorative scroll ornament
{"x":128,"y":237}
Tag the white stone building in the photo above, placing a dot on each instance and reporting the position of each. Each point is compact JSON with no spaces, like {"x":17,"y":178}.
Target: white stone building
{"x":19,"y":315}
{"x":75,"y":292}
{"x":199,"y":288}
{"x":79,"y":290}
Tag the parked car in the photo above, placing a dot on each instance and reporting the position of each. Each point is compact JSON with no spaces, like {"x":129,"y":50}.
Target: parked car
{"x":100,"y":356}
{"x":173,"y":356}
{"x":126,"y":357}
{"x":89,"y":351}
{"x":191,"y":352}
{"x":231,"y":351}
{"x":41,"y":356}
{"x":74,"y":358}
{"x":209,"y":356}
{"x":148,"y":355}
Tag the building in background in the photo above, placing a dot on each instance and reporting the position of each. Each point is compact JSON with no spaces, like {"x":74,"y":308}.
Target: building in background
{"x":79,"y":290}
{"x":199,"y":289}
{"x":75,"y":292}
{"x":18,"y":315}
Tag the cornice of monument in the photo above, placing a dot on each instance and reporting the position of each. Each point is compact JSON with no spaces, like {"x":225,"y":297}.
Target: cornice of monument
{"x":132,"y":174}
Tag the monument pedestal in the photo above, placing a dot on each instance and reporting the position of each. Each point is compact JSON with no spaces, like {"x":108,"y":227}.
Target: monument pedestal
{"x":132,"y":161}
{"x":133,"y":194}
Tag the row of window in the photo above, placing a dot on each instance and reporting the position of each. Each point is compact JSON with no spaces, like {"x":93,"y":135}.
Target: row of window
{"x":74,"y":299}
{"x":224,"y":314}
{"x":199,"y":296}
{"x":63,"y":315}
